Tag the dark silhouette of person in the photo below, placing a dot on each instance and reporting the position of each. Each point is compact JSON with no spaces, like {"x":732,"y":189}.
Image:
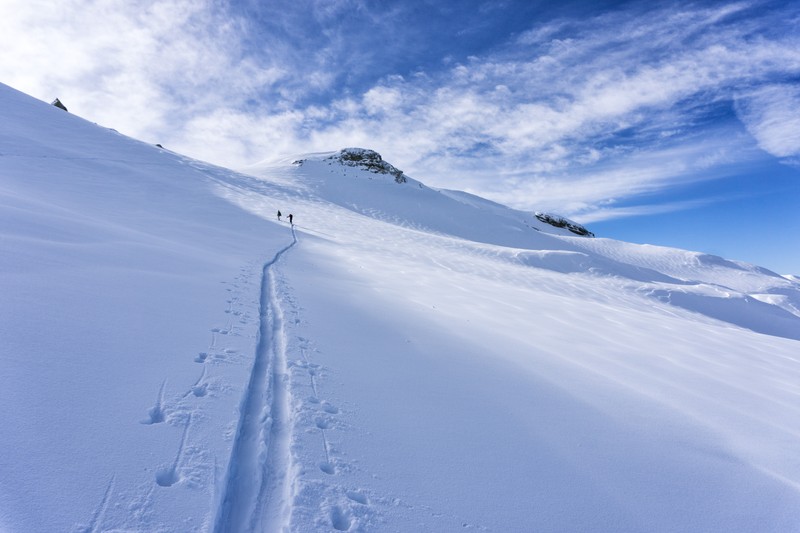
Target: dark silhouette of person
{"x":279,"y":214}
{"x":290,"y":219}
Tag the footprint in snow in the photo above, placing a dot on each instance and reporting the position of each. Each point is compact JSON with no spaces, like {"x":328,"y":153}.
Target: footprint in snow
{"x":340,"y":519}
{"x":156,"y":413}
{"x":155,"y":416}
{"x":200,"y":387}
{"x":166,"y":477}
{"x":330,"y":409}
{"x":357,"y":497}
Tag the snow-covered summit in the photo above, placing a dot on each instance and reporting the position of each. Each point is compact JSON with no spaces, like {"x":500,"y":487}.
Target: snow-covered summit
{"x":468,"y":215}
{"x":361,"y":180}
{"x":176,"y":358}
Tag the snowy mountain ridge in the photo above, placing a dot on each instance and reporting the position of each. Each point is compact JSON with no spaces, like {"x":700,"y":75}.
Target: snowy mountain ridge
{"x":400,"y":359}
{"x":373,"y":162}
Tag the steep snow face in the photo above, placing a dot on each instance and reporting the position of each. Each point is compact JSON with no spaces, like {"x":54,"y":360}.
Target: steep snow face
{"x":401,"y":359}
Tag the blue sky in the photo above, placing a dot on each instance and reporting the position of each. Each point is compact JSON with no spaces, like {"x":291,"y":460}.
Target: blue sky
{"x":669,"y":123}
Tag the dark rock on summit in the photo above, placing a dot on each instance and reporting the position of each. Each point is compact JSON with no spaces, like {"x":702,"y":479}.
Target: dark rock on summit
{"x":561,"y":222}
{"x":369,"y":160}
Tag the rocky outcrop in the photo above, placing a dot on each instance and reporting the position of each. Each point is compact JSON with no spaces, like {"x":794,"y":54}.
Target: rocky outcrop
{"x":561,"y":222}
{"x":59,"y":105}
{"x":369,"y":160}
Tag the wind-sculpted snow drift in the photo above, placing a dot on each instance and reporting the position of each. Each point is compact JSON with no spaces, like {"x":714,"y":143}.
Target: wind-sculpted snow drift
{"x":402,"y":359}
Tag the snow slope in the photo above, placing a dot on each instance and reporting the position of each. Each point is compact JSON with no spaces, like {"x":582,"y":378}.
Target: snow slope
{"x":402,"y":359}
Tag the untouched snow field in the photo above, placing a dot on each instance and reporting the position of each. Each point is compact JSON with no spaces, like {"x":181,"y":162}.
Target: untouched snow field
{"x":402,"y":359}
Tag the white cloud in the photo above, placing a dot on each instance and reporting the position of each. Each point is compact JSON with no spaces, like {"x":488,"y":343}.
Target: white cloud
{"x":601,"y":212}
{"x":560,"y":115}
{"x":602,"y":188}
{"x":772,"y":116}
{"x":570,"y":115}
{"x":381,"y":100}
{"x":140,"y":67}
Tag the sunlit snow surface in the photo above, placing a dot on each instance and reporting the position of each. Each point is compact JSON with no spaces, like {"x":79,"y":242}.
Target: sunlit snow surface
{"x":405,"y":359}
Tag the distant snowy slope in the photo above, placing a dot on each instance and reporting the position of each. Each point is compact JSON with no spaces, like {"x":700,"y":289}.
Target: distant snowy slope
{"x":740,"y":293}
{"x":737,"y":292}
{"x":412,"y":204}
{"x":401,"y":359}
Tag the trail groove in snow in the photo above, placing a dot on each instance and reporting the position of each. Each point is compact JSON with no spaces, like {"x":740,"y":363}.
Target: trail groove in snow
{"x":97,"y":518}
{"x":256,"y":493}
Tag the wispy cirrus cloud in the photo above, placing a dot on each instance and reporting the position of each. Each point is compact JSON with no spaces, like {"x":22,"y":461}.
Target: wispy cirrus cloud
{"x":578,"y":115}
{"x":141,"y":67}
{"x":601,"y":213}
{"x":772,"y":115}
{"x":579,"y":97}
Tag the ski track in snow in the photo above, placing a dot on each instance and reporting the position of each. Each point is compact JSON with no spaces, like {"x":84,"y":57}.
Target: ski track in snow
{"x":97,"y":518}
{"x":257,"y":489}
